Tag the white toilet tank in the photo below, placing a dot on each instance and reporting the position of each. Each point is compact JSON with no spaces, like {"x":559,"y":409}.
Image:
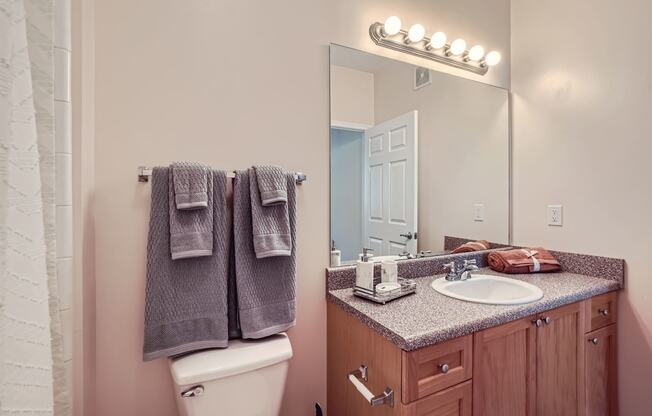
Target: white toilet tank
{"x":245,"y":379}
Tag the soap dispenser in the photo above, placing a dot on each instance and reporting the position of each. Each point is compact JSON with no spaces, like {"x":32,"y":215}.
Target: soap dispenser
{"x":336,"y":255}
{"x":364,"y":271}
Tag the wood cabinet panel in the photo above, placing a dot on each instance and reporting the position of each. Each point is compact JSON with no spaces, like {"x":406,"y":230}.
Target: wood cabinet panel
{"x":351,"y":344}
{"x":434,"y":368}
{"x":454,"y":401}
{"x":560,"y":361}
{"x":504,"y":360}
{"x":600,"y":370}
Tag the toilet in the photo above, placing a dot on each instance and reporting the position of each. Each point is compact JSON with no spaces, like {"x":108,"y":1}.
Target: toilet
{"x":245,"y":379}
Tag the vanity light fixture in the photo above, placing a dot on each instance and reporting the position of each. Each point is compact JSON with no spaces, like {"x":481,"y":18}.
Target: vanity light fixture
{"x":416,"y":34}
{"x":415,"y":42}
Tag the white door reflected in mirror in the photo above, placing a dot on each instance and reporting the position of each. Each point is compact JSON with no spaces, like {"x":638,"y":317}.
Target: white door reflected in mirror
{"x":390,"y":183}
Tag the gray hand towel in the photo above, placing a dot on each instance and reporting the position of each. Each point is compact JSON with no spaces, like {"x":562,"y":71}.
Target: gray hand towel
{"x":272,"y":185}
{"x":190,"y":185}
{"x":191,"y":231}
{"x":271,"y":225}
{"x":185,"y":300}
{"x":265,"y":287}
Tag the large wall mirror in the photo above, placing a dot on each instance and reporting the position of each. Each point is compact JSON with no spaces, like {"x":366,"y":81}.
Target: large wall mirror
{"x":416,"y":155}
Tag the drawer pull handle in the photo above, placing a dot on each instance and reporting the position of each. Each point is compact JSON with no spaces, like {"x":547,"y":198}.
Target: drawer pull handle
{"x":538,"y":322}
{"x":362,"y":374}
{"x":444,"y":368}
{"x":604,"y":311}
{"x":594,"y":341}
{"x":547,"y":320}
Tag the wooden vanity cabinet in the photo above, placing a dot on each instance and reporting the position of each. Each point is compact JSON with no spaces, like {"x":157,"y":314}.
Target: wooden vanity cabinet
{"x":560,"y":362}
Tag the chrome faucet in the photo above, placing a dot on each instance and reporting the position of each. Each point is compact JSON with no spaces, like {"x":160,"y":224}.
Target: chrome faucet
{"x":461,"y":273}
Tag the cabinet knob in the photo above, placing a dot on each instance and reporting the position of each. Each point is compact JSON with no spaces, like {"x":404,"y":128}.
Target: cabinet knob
{"x":547,"y":320}
{"x":594,"y":341}
{"x":604,"y":311}
{"x":538,"y":322}
{"x":444,"y":368}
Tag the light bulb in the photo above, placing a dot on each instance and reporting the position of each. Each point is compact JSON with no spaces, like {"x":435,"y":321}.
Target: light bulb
{"x":458,"y":47}
{"x":438,"y":40}
{"x":416,"y":33}
{"x":492,"y":58}
{"x":476,"y":53}
{"x":392,"y":26}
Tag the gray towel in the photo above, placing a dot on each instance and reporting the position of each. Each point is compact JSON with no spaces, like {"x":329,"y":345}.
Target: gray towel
{"x":271,"y":224}
{"x":272,"y":185}
{"x":190,"y":185}
{"x":185,"y":300}
{"x":191,"y":230}
{"x":265,"y":287}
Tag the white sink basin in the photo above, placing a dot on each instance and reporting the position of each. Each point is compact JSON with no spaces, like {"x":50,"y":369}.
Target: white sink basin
{"x":485,"y":288}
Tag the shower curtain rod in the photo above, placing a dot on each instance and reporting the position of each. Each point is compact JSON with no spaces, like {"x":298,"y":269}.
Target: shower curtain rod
{"x":144,"y":174}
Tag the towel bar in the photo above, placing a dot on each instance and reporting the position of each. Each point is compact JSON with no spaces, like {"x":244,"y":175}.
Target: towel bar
{"x":144,"y":174}
{"x":356,"y":377}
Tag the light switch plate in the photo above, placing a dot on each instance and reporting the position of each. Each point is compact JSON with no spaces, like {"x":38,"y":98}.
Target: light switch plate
{"x":555,"y":215}
{"x":478,"y":212}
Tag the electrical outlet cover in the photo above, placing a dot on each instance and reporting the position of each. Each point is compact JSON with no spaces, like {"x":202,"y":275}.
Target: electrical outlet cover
{"x":478,"y":212}
{"x":555,"y":215}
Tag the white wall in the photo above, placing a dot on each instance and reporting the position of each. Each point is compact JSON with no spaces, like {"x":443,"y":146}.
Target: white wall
{"x":352,"y":97}
{"x":463,"y":152}
{"x":582,"y":122}
{"x":222,"y":82}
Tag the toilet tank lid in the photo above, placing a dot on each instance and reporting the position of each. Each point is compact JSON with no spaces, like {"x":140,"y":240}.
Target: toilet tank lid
{"x":240,"y":357}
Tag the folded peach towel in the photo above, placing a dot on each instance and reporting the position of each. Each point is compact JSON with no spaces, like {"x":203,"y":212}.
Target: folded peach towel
{"x":523,"y":260}
{"x":473,"y":246}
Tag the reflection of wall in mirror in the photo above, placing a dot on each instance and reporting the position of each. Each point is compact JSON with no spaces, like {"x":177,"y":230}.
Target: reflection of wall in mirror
{"x":463,"y":152}
{"x":346,"y":191}
{"x":352,"y":97}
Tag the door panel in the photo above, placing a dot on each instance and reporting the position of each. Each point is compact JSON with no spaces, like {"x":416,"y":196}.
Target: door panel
{"x":559,"y":355}
{"x":376,"y":192}
{"x":600,"y":370}
{"x":504,"y":370}
{"x":390,"y":200}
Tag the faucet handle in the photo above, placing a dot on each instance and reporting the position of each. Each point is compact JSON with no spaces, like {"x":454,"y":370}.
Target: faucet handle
{"x":471,"y":262}
{"x":450,"y":266}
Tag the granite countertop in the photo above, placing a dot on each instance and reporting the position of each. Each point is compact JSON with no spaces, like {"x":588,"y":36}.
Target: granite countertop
{"x":428,"y":317}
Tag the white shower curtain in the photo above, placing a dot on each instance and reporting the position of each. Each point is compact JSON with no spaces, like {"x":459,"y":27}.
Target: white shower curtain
{"x":31,"y":362}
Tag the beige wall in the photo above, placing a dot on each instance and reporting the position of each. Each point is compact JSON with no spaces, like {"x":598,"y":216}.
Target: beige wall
{"x":463,"y":152}
{"x":352,"y":97}
{"x":230,"y":83}
{"x":582,"y":122}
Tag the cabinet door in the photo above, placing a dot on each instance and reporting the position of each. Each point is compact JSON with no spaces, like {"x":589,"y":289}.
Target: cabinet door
{"x":504,"y":373}
{"x":560,"y":361}
{"x":600,"y":370}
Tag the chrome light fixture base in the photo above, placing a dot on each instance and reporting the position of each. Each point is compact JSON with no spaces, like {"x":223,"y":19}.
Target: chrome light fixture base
{"x":422,"y":49}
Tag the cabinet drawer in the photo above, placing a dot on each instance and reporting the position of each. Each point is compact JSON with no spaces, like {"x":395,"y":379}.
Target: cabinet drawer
{"x":455,"y":401}
{"x":431,"y":369}
{"x":602,"y":311}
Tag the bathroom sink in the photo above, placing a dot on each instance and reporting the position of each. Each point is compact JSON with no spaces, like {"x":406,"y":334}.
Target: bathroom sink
{"x":484,"y":288}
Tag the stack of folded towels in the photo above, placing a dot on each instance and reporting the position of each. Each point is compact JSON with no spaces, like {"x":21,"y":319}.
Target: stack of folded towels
{"x":472,"y":246}
{"x":523,"y":261}
{"x":205,"y":282}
